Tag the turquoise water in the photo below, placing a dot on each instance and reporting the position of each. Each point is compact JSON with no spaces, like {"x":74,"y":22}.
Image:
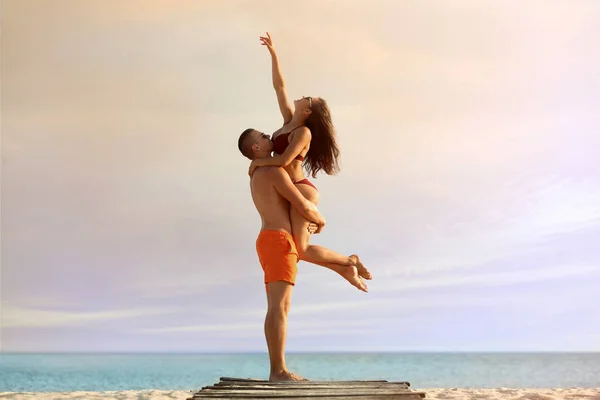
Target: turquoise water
{"x":102,"y":372}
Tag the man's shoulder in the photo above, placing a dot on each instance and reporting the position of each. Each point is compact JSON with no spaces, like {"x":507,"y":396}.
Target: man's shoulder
{"x":268,"y":171}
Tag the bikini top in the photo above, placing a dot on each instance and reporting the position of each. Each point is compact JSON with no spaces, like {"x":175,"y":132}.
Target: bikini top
{"x":280,"y":143}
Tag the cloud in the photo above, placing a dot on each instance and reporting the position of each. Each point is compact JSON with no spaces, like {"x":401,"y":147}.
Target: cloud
{"x":484,"y":229}
{"x":19,"y":317}
{"x":301,"y":327}
{"x":468,"y":137}
{"x":407,"y":297}
{"x":158,"y":285}
{"x":400,"y":281}
{"x":221,"y":328}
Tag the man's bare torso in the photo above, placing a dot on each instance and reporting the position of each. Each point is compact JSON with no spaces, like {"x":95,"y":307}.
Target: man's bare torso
{"x":274,"y":210}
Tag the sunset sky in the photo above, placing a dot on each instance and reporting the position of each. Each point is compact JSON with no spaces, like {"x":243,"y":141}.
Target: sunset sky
{"x":470,"y":182}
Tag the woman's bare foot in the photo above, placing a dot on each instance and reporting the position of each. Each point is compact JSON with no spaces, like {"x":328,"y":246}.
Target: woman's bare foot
{"x":362,"y":270}
{"x":285,"y":376}
{"x":351,"y":275}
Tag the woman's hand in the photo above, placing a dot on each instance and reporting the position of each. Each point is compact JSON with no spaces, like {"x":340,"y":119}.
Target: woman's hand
{"x":253,"y":165}
{"x":314,"y":229}
{"x":266,"y":41}
{"x":320,"y":227}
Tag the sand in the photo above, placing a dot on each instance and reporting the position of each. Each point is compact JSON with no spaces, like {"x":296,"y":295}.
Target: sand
{"x":513,"y":394}
{"x":450,"y":394}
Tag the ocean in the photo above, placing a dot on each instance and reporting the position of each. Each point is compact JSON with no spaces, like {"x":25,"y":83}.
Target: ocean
{"x":112,"y":372}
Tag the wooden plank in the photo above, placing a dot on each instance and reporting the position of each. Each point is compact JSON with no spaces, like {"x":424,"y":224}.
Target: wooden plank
{"x":404,"y":396}
{"x":303,"y":389}
{"x":309,"y":386}
{"x":255,"y":380}
{"x":309,"y":383}
{"x":248,"y":388}
{"x":229,"y":378}
{"x":308,"y":390}
{"x":249,"y":381}
{"x":411,"y":396}
{"x":318,"y":394}
{"x":304,"y":393}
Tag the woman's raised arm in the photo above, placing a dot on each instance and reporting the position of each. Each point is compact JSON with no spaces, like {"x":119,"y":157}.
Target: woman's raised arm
{"x":278,"y":84}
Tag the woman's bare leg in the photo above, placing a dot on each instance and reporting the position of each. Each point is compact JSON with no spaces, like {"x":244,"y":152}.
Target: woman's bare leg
{"x":343,"y":265}
{"x":318,"y":254}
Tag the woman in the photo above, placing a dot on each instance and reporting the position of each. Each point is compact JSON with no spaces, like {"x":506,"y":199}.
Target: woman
{"x":307,"y":138}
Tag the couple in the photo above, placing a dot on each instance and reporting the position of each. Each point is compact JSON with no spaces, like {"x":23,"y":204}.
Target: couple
{"x":286,"y":202}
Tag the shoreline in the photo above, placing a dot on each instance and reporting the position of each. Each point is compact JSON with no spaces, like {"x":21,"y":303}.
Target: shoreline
{"x":571,"y":393}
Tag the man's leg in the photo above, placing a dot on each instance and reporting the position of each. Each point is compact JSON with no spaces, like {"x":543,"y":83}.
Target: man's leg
{"x":278,"y":257}
{"x":279,"y":296}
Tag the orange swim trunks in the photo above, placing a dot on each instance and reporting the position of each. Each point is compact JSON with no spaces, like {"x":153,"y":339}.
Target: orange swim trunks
{"x":278,"y":256}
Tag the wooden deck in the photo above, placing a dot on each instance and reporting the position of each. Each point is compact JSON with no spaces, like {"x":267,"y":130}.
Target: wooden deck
{"x":241,"y":388}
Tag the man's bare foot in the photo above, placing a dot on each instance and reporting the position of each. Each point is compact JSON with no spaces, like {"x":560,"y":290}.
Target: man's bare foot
{"x":362,"y":270}
{"x":299,"y":377}
{"x":285,"y":376}
{"x":351,"y":275}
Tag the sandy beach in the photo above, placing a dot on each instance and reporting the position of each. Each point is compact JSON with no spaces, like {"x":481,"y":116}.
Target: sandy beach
{"x":117,"y":395}
{"x":450,"y":394}
{"x":513,"y":394}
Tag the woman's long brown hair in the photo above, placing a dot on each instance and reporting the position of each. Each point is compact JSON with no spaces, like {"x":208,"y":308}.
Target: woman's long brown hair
{"x":323,"y":153}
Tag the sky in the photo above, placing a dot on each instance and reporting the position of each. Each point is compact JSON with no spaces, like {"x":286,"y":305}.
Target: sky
{"x":470,"y":181}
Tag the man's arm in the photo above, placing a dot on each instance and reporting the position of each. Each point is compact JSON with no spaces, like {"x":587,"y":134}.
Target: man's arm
{"x":284,"y":185}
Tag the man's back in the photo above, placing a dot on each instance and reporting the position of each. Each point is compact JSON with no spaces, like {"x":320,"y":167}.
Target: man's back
{"x":273,"y":208}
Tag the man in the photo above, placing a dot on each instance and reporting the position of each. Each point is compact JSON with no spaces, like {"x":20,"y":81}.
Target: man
{"x":273,"y":192}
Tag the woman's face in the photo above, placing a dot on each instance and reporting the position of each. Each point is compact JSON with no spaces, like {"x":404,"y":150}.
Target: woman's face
{"x":304,"y":104}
